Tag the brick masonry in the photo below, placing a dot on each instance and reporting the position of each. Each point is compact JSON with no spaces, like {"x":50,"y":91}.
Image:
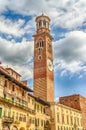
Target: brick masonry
{"x":43,"y":77}
{"x":77,"y":102}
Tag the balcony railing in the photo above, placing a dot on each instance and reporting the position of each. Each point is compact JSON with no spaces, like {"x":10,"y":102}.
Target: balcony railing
{"x":6,"y":119}
{"x":17,"y":104}
{"x":16,"y":122}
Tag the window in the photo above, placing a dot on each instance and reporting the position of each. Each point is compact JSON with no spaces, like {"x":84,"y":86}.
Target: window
{"x":41,"y":109}
{"x":40,"y":23}
{"x":17,"y":116}
{"x":13,"y":114}
{"x":40,"y":44}
{"x":44,"y":110}
{"x":0,"y":112}
{"x":12,"y":99}
{"x":44,"y":23}
{"x":5,"y":83}
{"x":29,"y":99}
{"x":77,"y":121}
{"x":37,"y":108}
{"x":41,"y":122}
{"x":58,"y":118}
{"x":74,"y":120}
{"x":71,"y":119}
{"x":58,"y":128}
{"x":5,"y":112}
{"x":22,"y":93}
{"x":62,"y":118}
{"x":35,"y":122}
{"x":32,"y":101}
{"x":4,"y":96}
{"x":9,"y":113}
{"x":24,"y":118}
{"x":38,"y":121}
{"x":13,"y":88}
{"x":67,"y":119}
{"x":20,"y":117}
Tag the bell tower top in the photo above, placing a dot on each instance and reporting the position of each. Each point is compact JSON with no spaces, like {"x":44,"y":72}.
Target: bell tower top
{"x":42,"y":23}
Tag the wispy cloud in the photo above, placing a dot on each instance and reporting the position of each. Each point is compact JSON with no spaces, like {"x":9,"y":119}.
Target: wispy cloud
{"x":70,"y":52}
{"x":18,"y":55}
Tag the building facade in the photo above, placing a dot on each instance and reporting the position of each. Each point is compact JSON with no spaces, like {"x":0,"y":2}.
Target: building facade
{"x":78,"y":102}
{"x":43,"y":60}
{"x":13,"y":100}
{"x":17,"y":112}
{"x":66,"y":118}
{"x":40,"y":117}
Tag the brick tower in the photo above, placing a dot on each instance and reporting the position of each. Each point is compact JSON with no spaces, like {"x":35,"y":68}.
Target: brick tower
{"x":43,"y":60}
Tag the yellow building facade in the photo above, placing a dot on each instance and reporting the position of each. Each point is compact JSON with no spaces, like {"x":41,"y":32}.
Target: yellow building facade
{"x":13,"y":101}
{"x":18,"y":109}
{"x":40,"y":117}
{"x":66,"y":118}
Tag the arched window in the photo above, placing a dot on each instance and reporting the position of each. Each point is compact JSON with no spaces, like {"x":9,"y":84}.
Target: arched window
{"x":40,"y":23}
{"x":44,"y":23}
{"x":40,"y":44}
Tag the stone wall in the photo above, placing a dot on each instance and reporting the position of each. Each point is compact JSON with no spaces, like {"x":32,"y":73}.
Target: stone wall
{"x":77,"y":102}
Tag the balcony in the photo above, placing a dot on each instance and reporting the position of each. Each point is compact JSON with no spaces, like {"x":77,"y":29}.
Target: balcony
{"x":17,"y":104}
{"x":6,"y":119}
{"x":16,"y":122}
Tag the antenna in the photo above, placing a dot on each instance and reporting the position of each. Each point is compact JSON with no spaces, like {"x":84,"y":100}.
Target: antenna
{"x":42,"y":12}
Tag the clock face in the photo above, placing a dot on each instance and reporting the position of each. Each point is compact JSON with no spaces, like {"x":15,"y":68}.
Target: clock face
{"x":50,"y":64}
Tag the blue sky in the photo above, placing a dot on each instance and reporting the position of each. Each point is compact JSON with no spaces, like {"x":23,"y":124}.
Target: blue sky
{"x":68,"y":27}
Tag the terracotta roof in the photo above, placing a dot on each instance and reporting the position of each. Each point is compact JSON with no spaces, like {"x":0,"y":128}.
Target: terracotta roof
{"x":19,"y":83}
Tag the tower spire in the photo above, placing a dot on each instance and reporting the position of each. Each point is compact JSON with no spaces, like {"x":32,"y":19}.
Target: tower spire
{"x":42,"y":12}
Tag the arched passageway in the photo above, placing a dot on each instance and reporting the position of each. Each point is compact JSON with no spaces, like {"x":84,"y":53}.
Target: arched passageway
{"x":14,"y":128}
{"x":6,"y":127}
{"x":22,"y":128}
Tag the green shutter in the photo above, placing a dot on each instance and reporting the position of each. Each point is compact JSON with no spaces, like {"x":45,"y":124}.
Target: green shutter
{"x":12,"y":100}
{"x":0,"y":112}
{"x":4,"y":96}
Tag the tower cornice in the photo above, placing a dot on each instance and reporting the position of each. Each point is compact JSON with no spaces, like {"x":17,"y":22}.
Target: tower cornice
{"x":43,"y":16}
{"x":43,"y":33}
